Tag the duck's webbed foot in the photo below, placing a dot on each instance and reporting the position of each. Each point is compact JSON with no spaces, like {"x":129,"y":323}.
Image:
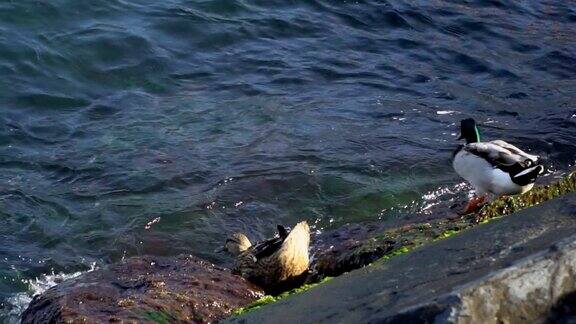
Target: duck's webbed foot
{"x":474,"y":205}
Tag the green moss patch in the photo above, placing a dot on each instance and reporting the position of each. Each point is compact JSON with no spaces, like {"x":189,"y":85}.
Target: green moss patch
{"x":159,"y":317}
{"x":511,"y":204}
{"x":271,"y":299}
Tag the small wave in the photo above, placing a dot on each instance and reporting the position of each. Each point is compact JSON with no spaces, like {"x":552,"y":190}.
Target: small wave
{"x":444,"y":112}
{"x":18,"y":303}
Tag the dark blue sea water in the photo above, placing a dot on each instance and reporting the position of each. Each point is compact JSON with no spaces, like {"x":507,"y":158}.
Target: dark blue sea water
{"x":211,"y":116}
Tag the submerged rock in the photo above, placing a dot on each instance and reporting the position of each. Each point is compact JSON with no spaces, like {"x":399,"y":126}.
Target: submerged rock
{"x":145,"y":289}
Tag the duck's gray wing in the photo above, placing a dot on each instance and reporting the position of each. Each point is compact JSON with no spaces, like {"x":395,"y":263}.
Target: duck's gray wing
{"x":515,"y":150}
{"x":493,"y":153}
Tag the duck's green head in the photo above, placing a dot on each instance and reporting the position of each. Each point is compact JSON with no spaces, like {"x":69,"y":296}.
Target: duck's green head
{"x":469,"y":131}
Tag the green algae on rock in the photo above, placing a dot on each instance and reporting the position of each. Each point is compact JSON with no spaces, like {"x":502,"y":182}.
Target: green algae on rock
{"x":160,"y":317}
{"x":271,"y":299}
{"x":392,"y":242}
{"x":411,"y":236}
{"x":511,"y":204}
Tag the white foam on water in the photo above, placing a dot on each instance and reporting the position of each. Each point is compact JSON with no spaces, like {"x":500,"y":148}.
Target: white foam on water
{"x":19,"y":302}
{"x":445,"y":112}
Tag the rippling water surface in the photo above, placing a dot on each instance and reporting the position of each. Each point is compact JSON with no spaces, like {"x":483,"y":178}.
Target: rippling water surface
{"x":211,"y":116}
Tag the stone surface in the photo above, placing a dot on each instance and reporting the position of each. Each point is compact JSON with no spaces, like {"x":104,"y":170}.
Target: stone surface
{"x":513,"y":269}
{"x":145,"y":289}
{"x":525,"y":292}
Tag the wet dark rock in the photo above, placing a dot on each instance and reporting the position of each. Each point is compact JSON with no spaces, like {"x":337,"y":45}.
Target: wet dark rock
{"x":183,"y":288}
{"x":346,"y":256}
{"x":354,"y":246}
{"x":145,"y":289}
{"x":342,"y":250}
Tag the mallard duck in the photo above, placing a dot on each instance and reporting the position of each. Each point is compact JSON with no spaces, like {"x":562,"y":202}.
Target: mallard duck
{"x":275,"y":264}
{"x":493,"y":168}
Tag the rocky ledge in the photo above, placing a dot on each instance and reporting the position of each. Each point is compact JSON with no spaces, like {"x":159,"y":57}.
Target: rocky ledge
{"x":426,"y":284}
{"x":145,"y":289}
{"x":514,"y":269}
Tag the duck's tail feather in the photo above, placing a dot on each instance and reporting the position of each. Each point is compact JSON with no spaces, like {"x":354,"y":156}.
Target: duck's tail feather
{"x":296,"y":244}
{"x":300,"y":232}
{"x":283,"y":231}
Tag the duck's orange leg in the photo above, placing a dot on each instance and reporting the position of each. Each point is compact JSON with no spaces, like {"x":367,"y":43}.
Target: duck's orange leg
{"x":474,"y":205}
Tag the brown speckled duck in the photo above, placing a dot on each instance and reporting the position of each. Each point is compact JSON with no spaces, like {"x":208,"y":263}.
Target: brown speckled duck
{"x":276,"y":264}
